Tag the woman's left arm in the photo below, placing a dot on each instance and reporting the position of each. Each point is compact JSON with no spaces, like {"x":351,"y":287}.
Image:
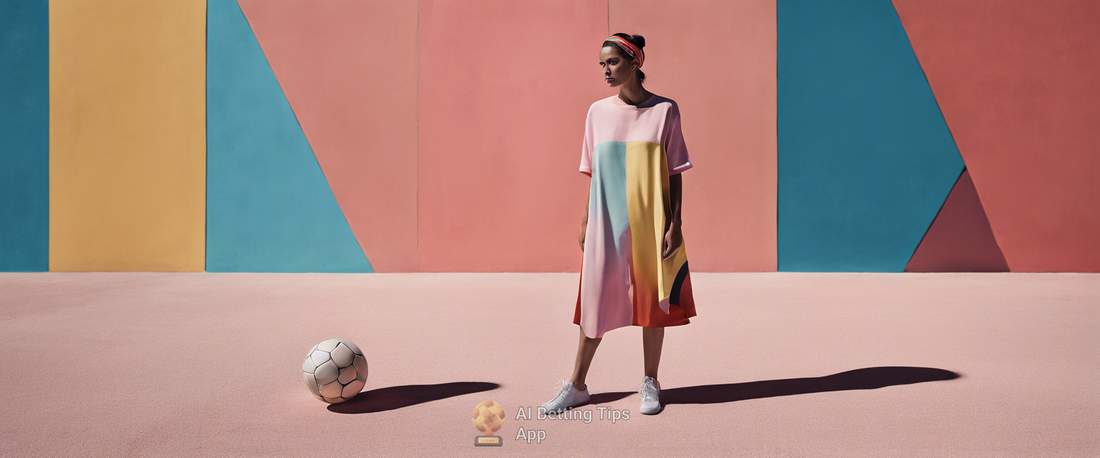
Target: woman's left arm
{"x":675,"y":185}
{"x":673,"y":238}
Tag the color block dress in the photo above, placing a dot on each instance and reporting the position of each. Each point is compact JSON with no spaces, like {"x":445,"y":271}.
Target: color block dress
{"x":629,"y":152}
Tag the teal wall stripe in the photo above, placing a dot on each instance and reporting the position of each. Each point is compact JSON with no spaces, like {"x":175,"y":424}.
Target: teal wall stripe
{"x":865,"y":157}
{"x":24,"y":136}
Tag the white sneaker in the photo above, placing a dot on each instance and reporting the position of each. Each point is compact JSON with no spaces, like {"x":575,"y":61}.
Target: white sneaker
{"x":567,"y":398}
{"x":650,"y":392}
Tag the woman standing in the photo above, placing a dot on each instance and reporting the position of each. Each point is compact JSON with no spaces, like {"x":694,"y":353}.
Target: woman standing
{"x":634,"y":269}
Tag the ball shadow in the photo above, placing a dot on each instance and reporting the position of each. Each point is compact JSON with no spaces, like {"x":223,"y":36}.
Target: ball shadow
{"x":396,"y":397}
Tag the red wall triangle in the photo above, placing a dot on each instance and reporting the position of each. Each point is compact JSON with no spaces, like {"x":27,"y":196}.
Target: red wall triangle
{"x":960,"y":238}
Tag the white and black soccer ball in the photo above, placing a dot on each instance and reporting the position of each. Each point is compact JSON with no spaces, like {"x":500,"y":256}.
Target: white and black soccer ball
{"x":335,"y":370}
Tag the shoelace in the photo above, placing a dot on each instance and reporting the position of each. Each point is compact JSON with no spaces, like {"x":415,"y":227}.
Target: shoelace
{"x":648,"y":391}
{"x":564,"y":389}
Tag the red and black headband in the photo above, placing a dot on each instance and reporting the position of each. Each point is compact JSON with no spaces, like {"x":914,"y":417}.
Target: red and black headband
{"x":629,"y":48}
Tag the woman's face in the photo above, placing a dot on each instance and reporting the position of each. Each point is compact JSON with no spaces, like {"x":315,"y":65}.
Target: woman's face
{"x":617,"y":69}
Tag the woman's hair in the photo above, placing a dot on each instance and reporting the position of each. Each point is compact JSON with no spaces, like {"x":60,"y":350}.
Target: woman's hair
{"x":637,"y":40}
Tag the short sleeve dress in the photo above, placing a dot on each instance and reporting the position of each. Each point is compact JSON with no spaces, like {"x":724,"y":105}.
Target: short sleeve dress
{"x":629,"y":152}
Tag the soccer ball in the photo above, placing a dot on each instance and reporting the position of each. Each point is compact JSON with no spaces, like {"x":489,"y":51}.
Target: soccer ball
{"x":335,"y":370}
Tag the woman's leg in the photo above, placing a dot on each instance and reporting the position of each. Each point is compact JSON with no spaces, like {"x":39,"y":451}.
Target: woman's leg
{"x":586,"y":349}
{"x":652,"y":338}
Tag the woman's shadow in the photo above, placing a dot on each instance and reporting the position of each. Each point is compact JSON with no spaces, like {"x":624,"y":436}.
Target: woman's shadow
{"x":396,"y":397}
{"x":867,"y":378}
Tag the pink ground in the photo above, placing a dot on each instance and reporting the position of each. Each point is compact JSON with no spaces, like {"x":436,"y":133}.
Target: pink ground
{"x":776,"y":364}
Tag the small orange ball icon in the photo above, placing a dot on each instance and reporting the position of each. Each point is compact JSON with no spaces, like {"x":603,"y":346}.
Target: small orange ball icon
{"x":488,"y":417}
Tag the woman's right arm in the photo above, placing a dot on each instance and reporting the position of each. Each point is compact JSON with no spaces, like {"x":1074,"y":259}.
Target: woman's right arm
{"x":584,"y":224}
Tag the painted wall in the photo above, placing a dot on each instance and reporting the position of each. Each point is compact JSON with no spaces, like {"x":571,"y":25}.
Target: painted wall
{"x":127,"y":135}
{"x":865,"y":158}
{"x":348,"y":70}
{"x":504,"y":89}
{"x":426,"y":135}
{"x":1016,"y":82}
{"x":717,"y":59}
{"x":24,"y":136}
{"x":270,"y":208}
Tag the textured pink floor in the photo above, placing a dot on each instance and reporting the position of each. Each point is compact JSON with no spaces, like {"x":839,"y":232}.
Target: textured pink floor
{"x":776,"y":364}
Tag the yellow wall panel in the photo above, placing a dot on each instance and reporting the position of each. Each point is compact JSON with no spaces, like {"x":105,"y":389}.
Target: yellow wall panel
{"x":127,"y":135}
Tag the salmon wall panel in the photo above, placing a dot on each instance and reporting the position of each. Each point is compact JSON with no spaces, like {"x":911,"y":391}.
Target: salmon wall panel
{"x":269,"y":207}
{"x":717,"y":60}
{"x":504,"y":90}
{"x":348,"y":69}
{"x":1017,"y":83}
